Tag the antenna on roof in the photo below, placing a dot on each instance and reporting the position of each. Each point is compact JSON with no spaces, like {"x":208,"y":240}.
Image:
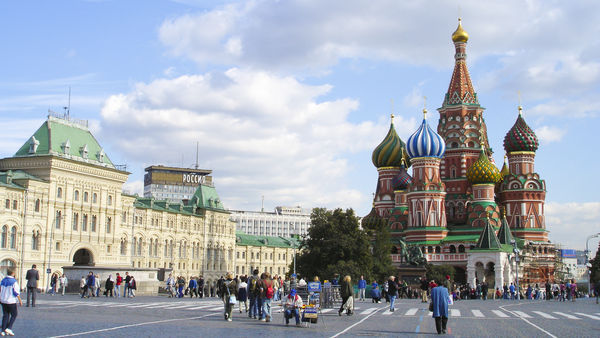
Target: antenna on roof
{"x":262,"y":207}
{"x":68,"y":107}
{"x":197,"y":146}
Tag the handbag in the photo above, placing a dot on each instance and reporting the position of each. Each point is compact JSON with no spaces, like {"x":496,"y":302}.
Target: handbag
{"x":232,"y":299}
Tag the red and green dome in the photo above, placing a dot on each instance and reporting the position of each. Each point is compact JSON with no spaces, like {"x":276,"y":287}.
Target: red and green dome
{"x":520,"y":137}
{"x":391,"y":151}
{"x":402,"y":181}
{"x":483,"y":171}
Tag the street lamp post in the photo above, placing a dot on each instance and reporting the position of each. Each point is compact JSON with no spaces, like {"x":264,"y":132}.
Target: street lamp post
{"x":516,"y":252}
{"x":587,"y":264}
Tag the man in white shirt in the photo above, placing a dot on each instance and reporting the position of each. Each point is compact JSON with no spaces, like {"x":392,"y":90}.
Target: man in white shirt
{"x":293,"y":303}
{"x":63,"y":283}
{"x":9,"y":295}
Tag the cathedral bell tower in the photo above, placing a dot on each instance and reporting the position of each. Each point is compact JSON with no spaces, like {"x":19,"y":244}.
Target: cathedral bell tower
{"x":464,"y":132}
{"x":427,"y":214}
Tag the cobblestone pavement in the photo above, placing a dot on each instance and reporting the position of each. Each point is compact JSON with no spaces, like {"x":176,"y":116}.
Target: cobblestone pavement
{"x":70,"y":315}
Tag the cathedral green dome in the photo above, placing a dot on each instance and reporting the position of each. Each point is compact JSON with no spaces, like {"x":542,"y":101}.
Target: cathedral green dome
{"x":483,"y":171}
{"x":391,"y":152}
{"x":520,"y":137}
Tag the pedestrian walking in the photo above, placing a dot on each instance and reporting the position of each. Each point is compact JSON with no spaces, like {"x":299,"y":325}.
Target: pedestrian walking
{"x":118,"y":282}
{"x":9,"y":296}
{"x":347,"y":296}
{"x":424,"y":287}
{"x":127,"y":280}
{"x":90,"y":285}
{"x":63,"y":283}
{"x":53,"y":284}
{"x":597,"y":290}
{"x":83,"y":286}
{"x":108,"y":285}
{"x":171,"y":286}
{"x":243,"y":294}
{"x":97,"y":285}
{"x":193,"y":285}
{"x":266,"y":294}
{"x":254,"y":294}
{"x":392,"y":291}
{"x":201,"y":287}
{"x":362,"y":287}
{"x":439,"y":307}
{"x":32,"y":277}
{"x":228,"y":293}
{"x":132,"y":286}
{"x":573,"y":290}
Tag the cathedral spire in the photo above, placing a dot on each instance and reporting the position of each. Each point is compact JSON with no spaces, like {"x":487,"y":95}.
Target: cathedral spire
{"x":461,"y":89}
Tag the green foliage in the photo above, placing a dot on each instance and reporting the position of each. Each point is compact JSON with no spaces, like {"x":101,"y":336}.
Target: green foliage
{"x":439,"y":272}
{"x":595,"y":269}
{"x":382,"y":247}
{"x":335,"y":244}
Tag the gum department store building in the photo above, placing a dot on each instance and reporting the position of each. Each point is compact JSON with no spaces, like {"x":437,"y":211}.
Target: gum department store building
{"x":62,"y":208}
{"x":457,"y":207}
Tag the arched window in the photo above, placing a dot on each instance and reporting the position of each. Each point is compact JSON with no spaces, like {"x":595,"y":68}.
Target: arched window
{"x":76,"y":195}
{"x":37,"y":205}
{"x":35,"y":240}
{"x":58,"y":219}
{"x":461,"y":248}
{"x":453,"y":172}
{"x":85,"y":196}
{"x":166,"y":251}
{"x":108,"y":224}
{"x":430,"y":249}
{"x":93,"y":225}
{"x":150,"y":247}
{"x":438,"y":250}
{"x":3,"y":237}
{"x":15,"y":204}
{"x":123,"y":246}
{"x":5,"y":265}
{"x":84,"y":222}
{"x":452,"y":249}
{"x":13,"y":237}
{"x":59,"y":192}
{"x":109,"y":200}
{"x":94,"y":198}
{"x":75,"y":221}
{"x":7,"y":204}
{"x":139,"y":248}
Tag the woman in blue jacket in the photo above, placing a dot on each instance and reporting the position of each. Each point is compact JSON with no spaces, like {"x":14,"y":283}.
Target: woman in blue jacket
{"x":439,"y":303}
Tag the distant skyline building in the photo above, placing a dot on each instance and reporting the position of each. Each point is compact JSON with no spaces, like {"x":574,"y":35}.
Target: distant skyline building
{"x":174,"y":184}
{"x":284,"y":221}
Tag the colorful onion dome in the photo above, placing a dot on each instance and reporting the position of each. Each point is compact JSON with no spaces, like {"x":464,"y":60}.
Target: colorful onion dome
{"x":425,"y":142}
{"x":483,"y":171}
{"x":504,"y":171}
{"x":520,"y":137}
{"x":391,"y":152}
{"x":402,"y":181}
{"x":459,"y":34}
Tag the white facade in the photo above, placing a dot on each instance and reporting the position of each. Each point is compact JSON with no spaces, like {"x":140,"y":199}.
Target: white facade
{"x":284,"y":221}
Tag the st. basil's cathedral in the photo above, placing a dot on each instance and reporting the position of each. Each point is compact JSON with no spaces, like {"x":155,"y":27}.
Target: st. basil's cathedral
{"x":457,"y":207}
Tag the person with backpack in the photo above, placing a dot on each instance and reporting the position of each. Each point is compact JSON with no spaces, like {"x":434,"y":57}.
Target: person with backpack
{"x":253,"y":294}
{"x":266,"y":294}
{"x":229,"y":294}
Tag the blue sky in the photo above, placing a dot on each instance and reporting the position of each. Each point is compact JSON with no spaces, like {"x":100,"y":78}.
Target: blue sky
{"x":289,"y":98}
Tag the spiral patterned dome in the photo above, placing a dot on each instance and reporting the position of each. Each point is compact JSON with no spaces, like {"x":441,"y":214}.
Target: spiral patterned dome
{"x":425,"y":142}
{"x":402,"y":181}
{"x":391,"y":151}
{"x":483,"y":171}
{"x":520,"y":137}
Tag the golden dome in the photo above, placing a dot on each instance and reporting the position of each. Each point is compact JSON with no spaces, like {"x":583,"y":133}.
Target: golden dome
{"x":459,"y":34}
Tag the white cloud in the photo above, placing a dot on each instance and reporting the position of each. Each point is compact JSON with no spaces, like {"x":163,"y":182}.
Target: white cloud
{"x":262,"y":134}
{"x":15,"y":133}
{"x":133,"y":187}
{"x":571,"y":223}
{"x":549,"y":134}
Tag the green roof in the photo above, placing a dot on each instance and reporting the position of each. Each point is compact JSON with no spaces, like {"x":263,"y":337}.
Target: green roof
{"x":488,"y":239}
{"x":504,"y":235}
{"x":206,"y":197}
{"x":162,"y":205}
{"x":244,"y":239}
{"x":65,"y":138}
{"x":461,"y":238}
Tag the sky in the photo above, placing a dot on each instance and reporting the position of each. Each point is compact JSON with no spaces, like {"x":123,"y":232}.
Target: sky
{"x":288,"y":99}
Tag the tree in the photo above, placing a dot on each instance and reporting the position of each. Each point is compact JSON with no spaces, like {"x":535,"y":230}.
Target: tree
{"x":382,"y":247}
{"x":595,"y":269}
{"x":439,"y":272}
{"x":334,"y":244}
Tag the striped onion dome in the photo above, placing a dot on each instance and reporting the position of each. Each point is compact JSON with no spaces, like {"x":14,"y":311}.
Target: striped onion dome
{"x":402,"y":181}
{"x":391,"y":151}
{"x":483,"y":171}
{"x":425,"y":142}
{"x":520,"y":137}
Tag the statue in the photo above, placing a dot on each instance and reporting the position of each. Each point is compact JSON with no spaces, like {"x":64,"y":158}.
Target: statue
{"x":411,"y":254}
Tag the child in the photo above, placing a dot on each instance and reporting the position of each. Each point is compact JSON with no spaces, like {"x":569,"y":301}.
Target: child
{"x":9,"y":295}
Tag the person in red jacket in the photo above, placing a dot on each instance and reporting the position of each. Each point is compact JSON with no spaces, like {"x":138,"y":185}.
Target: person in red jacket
{"x":118,"y":283}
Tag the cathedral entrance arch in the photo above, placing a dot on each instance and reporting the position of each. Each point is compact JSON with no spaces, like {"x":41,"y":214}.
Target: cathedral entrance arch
{"x":83,"y":257}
